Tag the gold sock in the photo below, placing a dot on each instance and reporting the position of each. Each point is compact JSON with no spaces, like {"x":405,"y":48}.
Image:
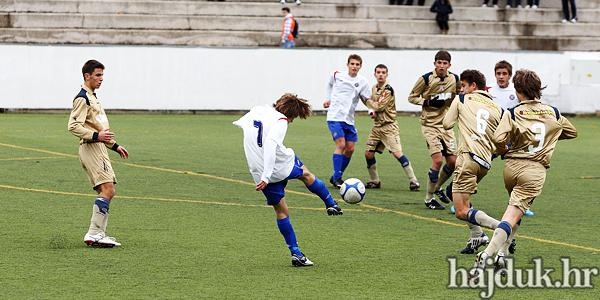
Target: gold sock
{"x":486,"y":221}
{"x":475,"y":230}
{"x":97,"y":221}
{"x":410,"y":173}
{"x":497,"y":240}
{"x":373,"y":173}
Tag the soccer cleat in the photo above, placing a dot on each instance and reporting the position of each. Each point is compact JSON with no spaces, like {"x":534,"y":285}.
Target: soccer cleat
{"x":440,"y":194}
{"x":474,"y":243}
{"x":100,"y":240}
{"x":334,"y":210}
{"x":512,"y":248}
{"x":477,"y":272}
{"x":500,"y":264}
{"x":414,"y":186}
{"x":529,"y":213}
{"x":433,"y":204}
{"x":301,"y":260}
{"x":373,"y":185}
{"x":337,"y":183}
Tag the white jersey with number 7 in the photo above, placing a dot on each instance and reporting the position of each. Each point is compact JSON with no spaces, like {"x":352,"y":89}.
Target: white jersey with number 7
{"x":264,"y":131}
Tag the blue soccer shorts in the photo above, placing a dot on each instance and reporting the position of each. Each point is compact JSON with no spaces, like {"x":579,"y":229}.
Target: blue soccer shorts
{"x":275,"y":191}
{"x":342,"y":130}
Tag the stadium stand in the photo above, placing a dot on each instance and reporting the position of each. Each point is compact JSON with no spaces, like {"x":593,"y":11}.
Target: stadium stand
{"x":324,"y":23}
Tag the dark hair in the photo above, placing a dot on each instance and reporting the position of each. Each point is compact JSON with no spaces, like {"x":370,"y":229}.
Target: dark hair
{"x":503,"y":65}
{"x":287,"y":9}
{"x":90,"y":66}
{"x":443,"y":55}
{"x":354,"y":56}
{"x":528,"y":84}
{"x":292,"y":106}
{"x":473,"y":76}
{"x":381,"y":66}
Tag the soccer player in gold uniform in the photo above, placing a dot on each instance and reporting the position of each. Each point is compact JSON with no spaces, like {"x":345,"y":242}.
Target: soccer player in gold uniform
{"x":527,"y":136}
{"x":89,"y":123}
{"x":477,"y":115}
{"x":435,"y":91}
{"x":385,"y":132}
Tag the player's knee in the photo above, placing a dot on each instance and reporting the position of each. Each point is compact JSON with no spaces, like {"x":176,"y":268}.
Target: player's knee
{"x":461,"y":214}
{"x":369,"y":154}
{"x":107,"y":190}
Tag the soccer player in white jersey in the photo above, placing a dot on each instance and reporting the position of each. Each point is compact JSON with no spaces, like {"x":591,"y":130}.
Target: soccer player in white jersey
{"x":504,"y":92}
{"x":272,"y":164}
{"x":343,"y":93}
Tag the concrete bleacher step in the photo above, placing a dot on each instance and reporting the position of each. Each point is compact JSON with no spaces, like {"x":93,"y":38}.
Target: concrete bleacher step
{"x":321,"y":10}
{"x":311,"y":40}
{"x":456,"y":3}
{"x":271,"y":24}
{"x":325,"y":23}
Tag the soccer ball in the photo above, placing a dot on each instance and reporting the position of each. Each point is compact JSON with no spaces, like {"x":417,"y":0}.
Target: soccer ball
{"x":352,"y":191}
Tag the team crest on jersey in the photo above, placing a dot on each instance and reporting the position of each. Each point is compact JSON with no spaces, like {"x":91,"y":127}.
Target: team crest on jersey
{"x":356,"y":84}
{"x":511,"y":97}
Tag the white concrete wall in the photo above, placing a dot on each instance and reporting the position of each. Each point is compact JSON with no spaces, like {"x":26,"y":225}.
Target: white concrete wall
{"x":181,"y":78}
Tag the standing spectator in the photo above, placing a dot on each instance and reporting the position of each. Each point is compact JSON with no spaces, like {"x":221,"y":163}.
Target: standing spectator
{"x":573,"y":15}
{"x":287,"y":38}
{"x":343,"y":92}
{"x":533,"y":4}
{"x":420,"y":2}
{"x":494,"y":3}
{"x":298,"y":2}
{"x":514,"y":3}
{"x":443,"y":9}
{"x":89,"y":123}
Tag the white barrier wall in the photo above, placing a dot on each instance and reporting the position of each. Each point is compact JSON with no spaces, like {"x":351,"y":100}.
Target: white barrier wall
{"x":182,"y":78}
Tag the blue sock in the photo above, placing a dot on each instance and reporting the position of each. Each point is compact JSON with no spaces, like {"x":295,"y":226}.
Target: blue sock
{"x":433,"y":175}
{"x":370,"y":162}
{"x":286,"y":229}
{"x":338,"y":161}
{"x":318,"y":188}
{"x":506,"y":227}
{"x":102,"y":204}
{"x":471,"y":216}
{"x":345,"y":162}
{"x":404,"y":161}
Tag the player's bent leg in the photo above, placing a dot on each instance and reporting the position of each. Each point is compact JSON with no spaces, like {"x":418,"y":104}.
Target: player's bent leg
{"x":317,"y":187}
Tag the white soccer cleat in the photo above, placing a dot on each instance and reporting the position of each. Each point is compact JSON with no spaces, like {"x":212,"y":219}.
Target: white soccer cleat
{"x":100,"y":240}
